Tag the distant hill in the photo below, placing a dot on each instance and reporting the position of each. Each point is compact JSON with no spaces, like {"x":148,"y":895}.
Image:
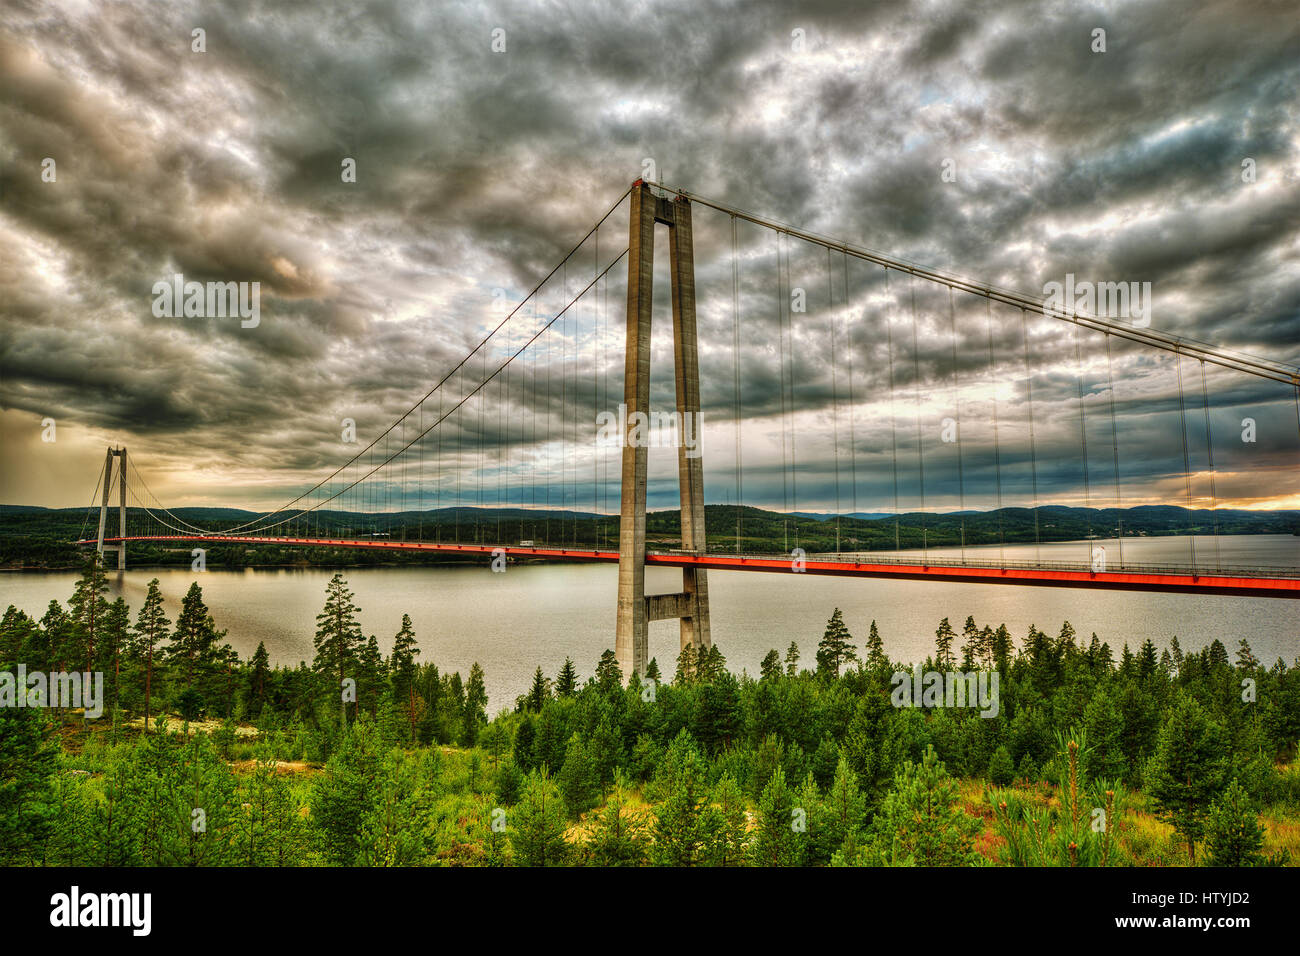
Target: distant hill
{"x":43,"y":537}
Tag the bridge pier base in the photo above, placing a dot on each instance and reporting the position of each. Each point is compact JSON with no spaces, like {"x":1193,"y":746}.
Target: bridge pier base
{"x":690,"y":606}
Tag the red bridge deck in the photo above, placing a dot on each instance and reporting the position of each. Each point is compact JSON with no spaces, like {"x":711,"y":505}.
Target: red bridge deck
{"x":1266,"y":582}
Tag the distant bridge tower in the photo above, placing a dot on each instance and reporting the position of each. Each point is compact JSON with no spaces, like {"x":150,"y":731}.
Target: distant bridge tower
{"x":636,"y":609}
{"x":120,"y":547}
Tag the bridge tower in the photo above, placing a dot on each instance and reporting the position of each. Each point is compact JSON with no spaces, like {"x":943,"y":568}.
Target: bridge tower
{"x":690,"y":606}
{"x":120,"y":547}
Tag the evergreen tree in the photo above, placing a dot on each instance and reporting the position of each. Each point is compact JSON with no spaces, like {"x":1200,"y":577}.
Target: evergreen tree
{"x":792,"y":660}
{"x":150,"y":628}
{"x":876,"y":657}
{"x":88,"y":608}
{"x":687,"y":667}
{"x":476,"y":700}
{"x":836,"y":649}
{"x":116,"y":643}
{"x":776,"y":843}
{"x":919,"y":823}
{"x":578,"y":780}
{"x":770,"y":668}
{"x":259,"y":676}
{"x":1233,"y":836}
{"x":944,"y":637}
{"x":620,"y":835}
{"x":193,"y":639}
{"x":338,"y":637}
{"x":1187,"y":771}
{"x":566,"y":682}
{"x":972,"y":646}
{"x":403,"y":671}
{"x":540,"y":692}
{"x":730,"y":843}
{"x":537,"y":824}
{"x":845,"y":812}
{"x":609,"y":677}
{"x":680,"y":833}
{"x":1001,"y":769}
{"x":27,"y":763}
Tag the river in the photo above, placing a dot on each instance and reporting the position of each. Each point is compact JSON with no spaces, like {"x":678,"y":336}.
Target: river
{"x":537,"y":614}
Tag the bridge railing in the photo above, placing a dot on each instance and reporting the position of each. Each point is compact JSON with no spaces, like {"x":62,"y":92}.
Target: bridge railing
{"x":892,"y":558}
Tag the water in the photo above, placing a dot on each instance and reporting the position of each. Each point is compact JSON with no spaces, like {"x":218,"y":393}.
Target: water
{"x":537,"y":614}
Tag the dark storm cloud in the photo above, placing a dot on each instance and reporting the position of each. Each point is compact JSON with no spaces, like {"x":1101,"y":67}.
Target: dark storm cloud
{"x":477,"y":171}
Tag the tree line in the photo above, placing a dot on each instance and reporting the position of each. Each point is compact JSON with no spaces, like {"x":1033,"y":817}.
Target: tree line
{"x":358,"y":758}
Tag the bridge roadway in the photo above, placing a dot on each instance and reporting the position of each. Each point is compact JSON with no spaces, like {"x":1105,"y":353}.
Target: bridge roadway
{"x":1253,"y":582}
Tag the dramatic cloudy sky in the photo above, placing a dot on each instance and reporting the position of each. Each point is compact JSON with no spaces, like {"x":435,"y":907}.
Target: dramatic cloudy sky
{"x":479,"y":168}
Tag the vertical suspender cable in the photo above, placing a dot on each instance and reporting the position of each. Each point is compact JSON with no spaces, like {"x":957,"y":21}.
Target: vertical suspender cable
{"x":780,"y":325}
{"x":1187,"y":466}
{"x":997,"y":444}
{"x":848,"y":333}
{"x":835,"y":398}
{"x":1209,"y":450}
{"x":735,"y":363}
{"x":956,"y":404}
{"x":1114,"y":444}
{"x":920,"y":443}
{"x":893,"y":413}
{"x":1033,"y":450}
{"x":1083,"y":432}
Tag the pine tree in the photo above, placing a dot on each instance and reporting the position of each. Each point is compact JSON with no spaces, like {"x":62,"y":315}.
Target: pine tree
{"x":1233,"y":836}
{"x":88,"y":608}
{"x":876,"y":657}
{"x":537,"y":824}
{"x":770,"y":668}
{"x":620,"y":835}
{"x":197,"y":648}
{"x":730,"y":834}
{"x":687,"y":667}
{"x":578,"y":779}
{"x":1187,"y":771}
{"x":776,"y":843}
{"x":944,"y":637}
{"x":792,"y":660}
{"x":609,"y":677}
{"x":27,"y":805}
{"x":972,"y":648}
{"x":476,"y":700}
{"x":338,"y":637}
{"x":403,"y":671}
{"x":116,"y":643}
{"x":845,"y":811}
{"x":1002,"y":771}
{"x":710,"y":664}
{"x":652,"y":671}
{"x":258,"y":677}
{"x":919,"y":822}
{"x":680,"y":835}
{"x":836,"y":648}
{"x":1246,"y":659}
{"x":150,"y":628}
{"x":540,"y":692}
{"x":566,"y":682}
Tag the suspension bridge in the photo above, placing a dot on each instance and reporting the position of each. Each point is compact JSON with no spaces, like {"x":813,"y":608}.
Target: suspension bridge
{"x":812,"y":371}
